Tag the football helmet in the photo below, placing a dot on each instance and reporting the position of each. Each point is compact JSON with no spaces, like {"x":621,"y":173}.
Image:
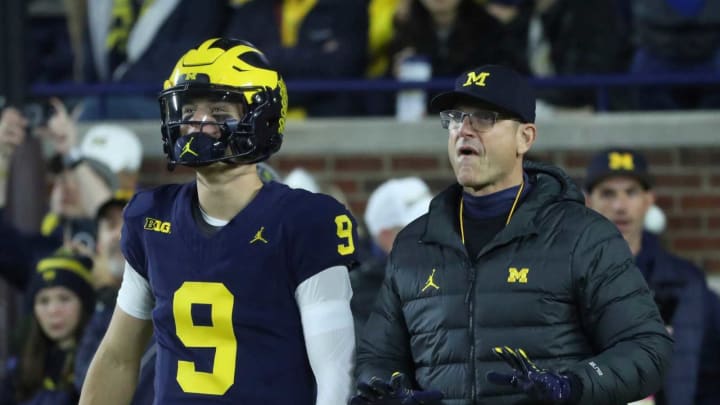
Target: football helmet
{"x":222,"y":72}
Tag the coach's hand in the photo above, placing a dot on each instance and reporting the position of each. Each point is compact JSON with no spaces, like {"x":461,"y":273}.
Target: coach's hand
{"x":396,"y":392}
{"x":540,"y":384}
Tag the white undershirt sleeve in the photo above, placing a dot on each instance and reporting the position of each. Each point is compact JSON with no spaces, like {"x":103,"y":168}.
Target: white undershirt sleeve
{"x":324,"y":302}
{"x":135,"y":297}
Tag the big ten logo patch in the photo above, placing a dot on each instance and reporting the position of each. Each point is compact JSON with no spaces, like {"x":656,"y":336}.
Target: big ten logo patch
{"x":152,"y":224}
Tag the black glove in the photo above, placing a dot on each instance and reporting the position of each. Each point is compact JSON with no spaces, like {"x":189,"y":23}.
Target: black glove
{"x":378,"y":392}
{"x":540,"y":384}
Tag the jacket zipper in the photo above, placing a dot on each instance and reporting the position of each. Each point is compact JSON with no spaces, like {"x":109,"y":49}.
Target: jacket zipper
{"x":470,"y":301}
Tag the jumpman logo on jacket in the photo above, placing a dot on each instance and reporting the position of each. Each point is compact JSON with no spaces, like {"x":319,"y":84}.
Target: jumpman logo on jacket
{"x":430,"y":282}
{"x":258,"y":236}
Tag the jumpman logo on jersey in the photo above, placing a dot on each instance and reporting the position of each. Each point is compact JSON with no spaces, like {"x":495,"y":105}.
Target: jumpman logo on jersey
{"x":186,"y":148}
{"x":430,"y":283}
{"x":258,"y":236}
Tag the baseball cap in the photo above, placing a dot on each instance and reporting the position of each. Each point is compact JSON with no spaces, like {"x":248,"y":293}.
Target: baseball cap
{"x":497,"y":85}
{"x":115,"y":146}
{"x":69,"y":270}
{"x":617,"y":162}
{"x":396,"y":203}
{"x":57,"y":164}
{"x":106,"y":174}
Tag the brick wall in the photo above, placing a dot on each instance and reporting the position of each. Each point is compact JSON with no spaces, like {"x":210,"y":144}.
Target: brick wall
{"x":687,"y":185}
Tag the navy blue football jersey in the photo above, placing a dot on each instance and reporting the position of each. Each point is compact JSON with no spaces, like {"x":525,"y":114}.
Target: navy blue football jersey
{"x":226,"y":321}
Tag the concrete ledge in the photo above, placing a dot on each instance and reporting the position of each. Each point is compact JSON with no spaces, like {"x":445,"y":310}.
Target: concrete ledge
{"x":562,"y":131}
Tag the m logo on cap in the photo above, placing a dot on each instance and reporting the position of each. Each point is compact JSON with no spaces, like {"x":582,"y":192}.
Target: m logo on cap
{"x":621,"y":161}
{"x":476,"y":79}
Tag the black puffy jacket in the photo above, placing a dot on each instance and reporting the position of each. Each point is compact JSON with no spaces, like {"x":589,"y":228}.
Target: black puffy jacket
{"x":559,"y":281}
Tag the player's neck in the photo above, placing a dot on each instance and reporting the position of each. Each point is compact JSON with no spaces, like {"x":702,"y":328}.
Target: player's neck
{"x":224,"y":193}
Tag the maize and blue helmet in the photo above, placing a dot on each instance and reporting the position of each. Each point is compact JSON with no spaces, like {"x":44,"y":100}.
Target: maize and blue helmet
{"x":223,"y":71}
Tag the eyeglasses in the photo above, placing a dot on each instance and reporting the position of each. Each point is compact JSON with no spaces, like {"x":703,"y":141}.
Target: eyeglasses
{"x":479,"y":120}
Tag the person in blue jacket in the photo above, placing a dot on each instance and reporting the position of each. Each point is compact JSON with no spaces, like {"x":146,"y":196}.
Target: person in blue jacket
{"x":619,"y":186}
{"x":62,"y":297}
{"x":137,"y":42}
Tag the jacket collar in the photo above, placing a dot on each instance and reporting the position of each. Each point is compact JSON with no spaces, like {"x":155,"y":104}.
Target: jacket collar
{"x":550,"y":184}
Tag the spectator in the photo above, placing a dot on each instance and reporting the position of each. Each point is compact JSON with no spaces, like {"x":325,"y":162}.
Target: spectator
{"x":62,"y":299}
{"x":391,"y":207}
{"x":78,"y":187}
{"x":453,"y":35}
{"x":118,"y":148}
{"x":13,"y":130}
{"x":114,"y":152}
{"x":380,"y":33}
{"x":509,"y":265}
{"x":48,"y":50}
{"x":136,"y":42}
{"x":16,"y":256}
{"x":514,"y":17}
{"x":619,"y":186}
{"x":576,"y":38}
{"x":381,"y":14}
{"x":323,"y":39}
{"x":108,"y":269}
{"x":680,"y":37}
{"x":80,"y":183}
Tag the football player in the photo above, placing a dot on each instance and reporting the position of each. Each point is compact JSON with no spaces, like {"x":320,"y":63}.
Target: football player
{"x":244,"y":283}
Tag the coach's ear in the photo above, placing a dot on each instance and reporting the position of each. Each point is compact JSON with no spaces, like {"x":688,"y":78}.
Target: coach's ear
{"x":525,"y":137}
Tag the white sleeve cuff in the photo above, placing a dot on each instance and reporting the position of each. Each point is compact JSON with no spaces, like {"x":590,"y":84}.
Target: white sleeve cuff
{"x":135,"y":296}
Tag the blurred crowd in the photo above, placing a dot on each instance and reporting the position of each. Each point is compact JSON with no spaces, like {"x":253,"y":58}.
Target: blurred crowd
{"x":135,"y":41}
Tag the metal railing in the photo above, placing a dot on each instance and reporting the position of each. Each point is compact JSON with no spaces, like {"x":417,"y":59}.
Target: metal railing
{"x":600,"y":84}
